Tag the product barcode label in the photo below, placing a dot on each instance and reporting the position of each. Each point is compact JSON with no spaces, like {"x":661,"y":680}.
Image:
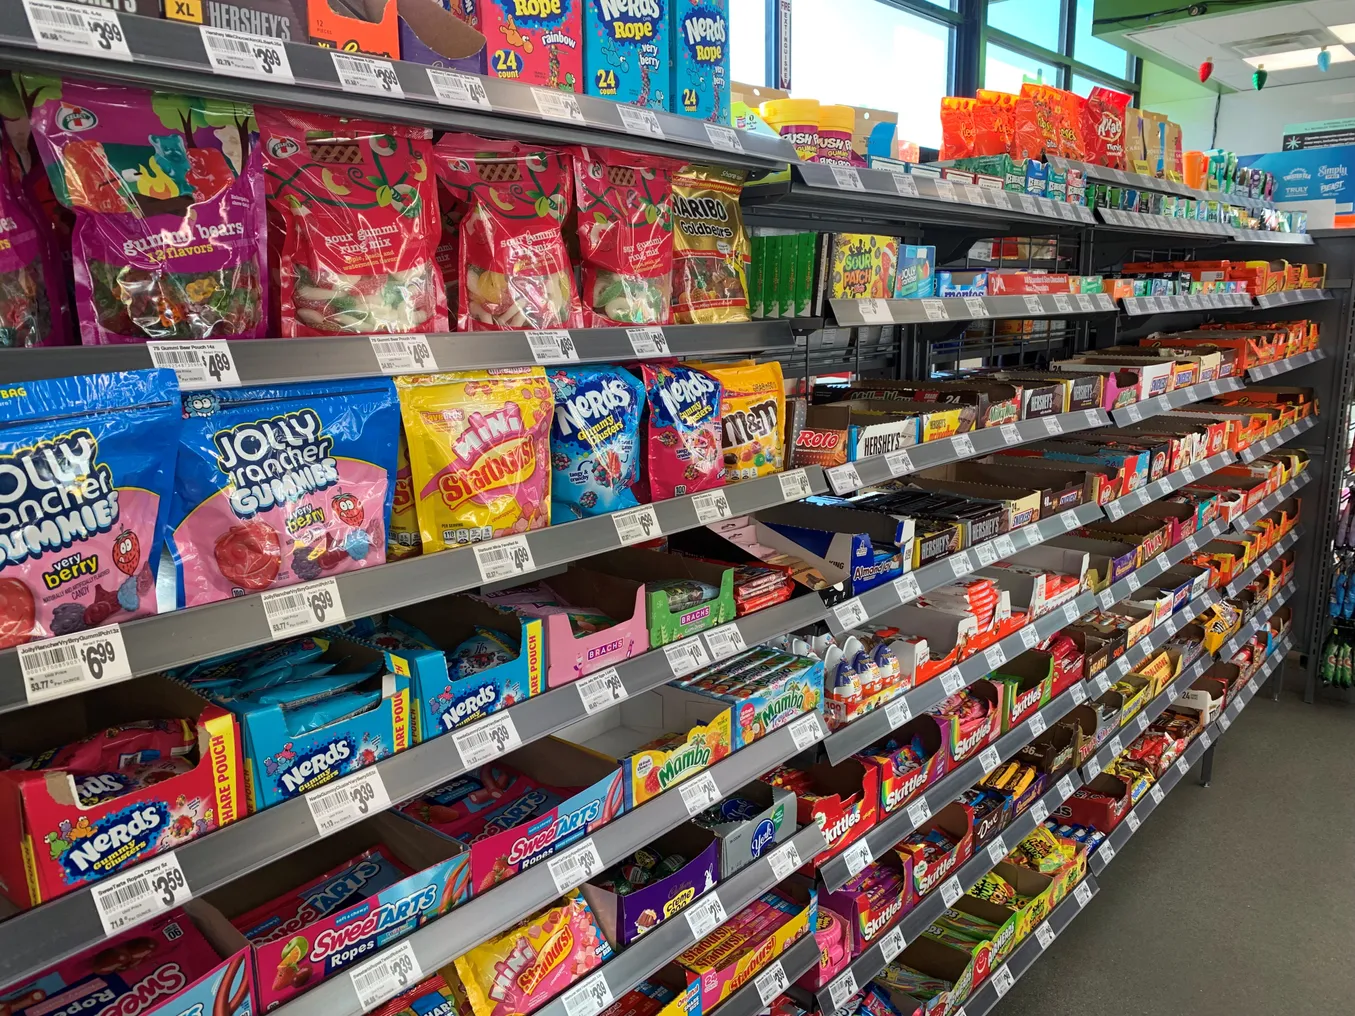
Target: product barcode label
{"x":1037,"y":724}
{"x":960,"y":565}
{"x":1101,"y":684}
{"x":935,"y":310}
{"x":874,"y":311}
{"x":989,"y":759}
{"x":1133,"y":821}
{"x":601,"y":690}
{"x":1079,"y":694}
{"x":1070,"y":612}
{"x":1053,"y":425}
{"x":1002,"y":980}
{"x":485,"y":740}
{"x":842,"y":988}
{"x":1005,"y":546}
{"x":557,"y":105}
{"x":196,"y":364}
{"x":588,"y":997}
{"x":1252,"y":686}
{"x":649,"y":341}
{"x":140,"y":893}
{"x":636,"y":525}
{"x":857,"y":856}
{"x":1142,"y":722}
{"x":1066,"y":788}
{"x":976,"y":307}
{"x":725,"y":641}
{"x":1061,"y":302}
{"x":904,"y":184}
{"x":944,"y":189}
{"x":366,"y":74}
{"x":972,"y":194}
{"x":90,"y":31}
{"x":73,"y":663}
{"x":347,"y":800}
{"x":998,"y":199}
{"x":1033,"y":305}
{"x":1029,"y":205}
{"x":997,"y":850}
{"x":455,"y":89}
{"x":1105,"y":598}
{"x":1039,"y":811}
{"x":643,"y":122}
{"x":1134,"y":582}
{"x":1135,"y":413}
{"x":1030,"y":638}
{"x":898,"y":463}
{"x":907,"y":588}
{"x":805,"y":731}
{"x":892,"y":944}
{"x":1083,"y":892}
{"x":772,"y":982}
{"x":574,"y":866}
{"x":1091,"y":770}
{"x":1206,"y":739}
{"x":552,"y":345}
{"x":247,"y":56}
{"x":1010,"y":434}
{"x":994,"y":657}
{"x":794,"y":484}
{"x":1044,"y":934}
{"x":846,"y":177}
{"x":898,"y":712}
{"x":503,"y":558}
{"x":963,"y":445}
{"x":1084,"y":302}
{"x":724,"y":138}
{"x":952,"y":681}
{"x":784,"y":860}
{"x":919,"y":811}
{"x":951,"y":890}
{"x":1116,"y":746}
{"x":1069,"y":520}
{"x":843,"y":478}
{"x":1155,"y":792}
{"x":712,"y":506}
{"x":1182,"y":766}
{"x":705,"y":915}
{"x":986,"y":553}
{"x":303,"y":608}
{"x":403,"y":354}
{"x":699,"y":793}
{"x":686,"y":656}
{"x":851,"y":613}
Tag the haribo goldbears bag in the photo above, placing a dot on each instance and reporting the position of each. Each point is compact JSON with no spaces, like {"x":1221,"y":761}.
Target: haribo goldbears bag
{"x":682,"y":431}
{"x":280,"y":484}
{"x":625,"y":224}
{"x":508,"y":203}
{"x":357,"y":205}
{"x":753,"y":414}
{"x":594,"y":440}
{"x":479,"y":453}
{"x":169,"y":239}
{"x":32,"y":291}
{"x":86,"y":471}
{"x":711,"y":249}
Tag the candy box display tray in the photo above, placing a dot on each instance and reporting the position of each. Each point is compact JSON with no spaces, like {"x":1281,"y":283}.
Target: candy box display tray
{"x":957,"y":821}
{"x":899,"y":786}
{"x":843,"y":801}
{"x":865,"y":919}
{"x":668,"y":623}
{"x":938,"y":960}
{"x":746,"y":834}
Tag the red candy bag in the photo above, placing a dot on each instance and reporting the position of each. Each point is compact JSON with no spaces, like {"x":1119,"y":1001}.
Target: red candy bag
{"x":625,"y":223}
{"x":510,"y":200}
{"x":136,"y":743}
{"x":683,"y":431}
{"x":357,"y":206}
{"x":994,"y":121}
{"x":957,"y":127}
{"x":1103,"y":127}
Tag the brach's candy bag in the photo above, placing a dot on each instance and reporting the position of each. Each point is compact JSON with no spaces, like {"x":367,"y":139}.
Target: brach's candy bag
{"x":357,"y":205}
{"x":169,"y":239}
{"x":86,"y":469}
{"x":711,"y":249}
{"x":753,"y":411}
{"x":281,"y":484}
{"x":510,"y":201}
{"x":479,"y":453}
{"x":625,"y":226}
{"x":1103,"y":127}
{"x":682,"y":431}
{"x":32,"y":304}
{"x":594,"y":441}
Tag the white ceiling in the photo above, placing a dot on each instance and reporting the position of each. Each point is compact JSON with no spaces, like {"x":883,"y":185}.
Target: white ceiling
{"x":1238,"y":41}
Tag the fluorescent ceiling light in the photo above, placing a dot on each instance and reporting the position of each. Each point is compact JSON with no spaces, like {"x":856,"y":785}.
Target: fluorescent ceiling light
{"x":1297,"y":58}
{"x":1346,"y":33}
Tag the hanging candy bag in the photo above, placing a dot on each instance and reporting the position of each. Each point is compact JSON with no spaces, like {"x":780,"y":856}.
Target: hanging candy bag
{"x":711,"y":249}
{"x":357,"y":206}
{"x":682,"y":431}
{"x":281,"y":484}
{"x":32,"y":305}
{"x":510,"y":202}
{"x":753,"y":411}
{"x":86,"y":470}
{"x":594,"y":441}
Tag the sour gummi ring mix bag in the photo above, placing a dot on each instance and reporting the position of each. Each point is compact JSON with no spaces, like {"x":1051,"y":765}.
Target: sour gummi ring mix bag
{"x":507,"y":203}
{"x":625,"y":225}
{"x":84,"y":495}
{"x":357,"y":204}
{"x":32,"y":308}
{"x":479,"y":453}
{"x":594,"y":441}
{"x":281,"y":484}
{"x":169,"y":239}
{"x":682,"y":431}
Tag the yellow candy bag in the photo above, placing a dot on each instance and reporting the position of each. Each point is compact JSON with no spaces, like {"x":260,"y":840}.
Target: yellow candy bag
{"x":711,"y":249}
{"x":403,"y":539}
{"x":479,"y":453}
{"x":753,"y":409}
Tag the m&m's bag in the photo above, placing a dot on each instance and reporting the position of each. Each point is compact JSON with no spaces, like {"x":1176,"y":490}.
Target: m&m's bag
{"x":753,"y":415}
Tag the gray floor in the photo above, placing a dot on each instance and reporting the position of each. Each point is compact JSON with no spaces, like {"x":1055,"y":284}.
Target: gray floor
{"x":1236,"y":900}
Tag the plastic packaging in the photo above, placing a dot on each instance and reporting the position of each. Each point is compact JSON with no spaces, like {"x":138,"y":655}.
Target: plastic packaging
{"x":32,"y":292}
{"x":682,"y":431}
{"x":594,"y":440}
{"x":711,"y":248}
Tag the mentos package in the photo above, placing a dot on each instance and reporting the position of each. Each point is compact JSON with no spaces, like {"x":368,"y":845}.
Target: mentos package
{"x":538,"y":42}
{"x":701,"y":59}
{"x":594,"y":441}
{"x":626,"y":51}
{"x":32,"y":312}
{"x":682,"y":431}
{"x":169,"y":239}
{"x":281,"y":484}
{"x":89,"y":464}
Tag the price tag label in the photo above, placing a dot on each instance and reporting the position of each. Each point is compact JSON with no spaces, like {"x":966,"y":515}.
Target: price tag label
{"x":976,"y":307}
{"x":1252,"y":686}
{"x":851,"y":613}
{"x":999,"y":199}
{"x":347,"y":800}
{"x":1010,"y":434}
{"x":237,"y":54}
{"x":1083,"y":892}
{"x":874,"y":311}
{"x":195,"y":364}
{"x":1079,"y":694}
{"x":711,"y":506}
{"x":575,"y":866}
{"x":1005,"y":546}
{"x":303,"y":608}
{"x":486,"y":739}
{"x":907,"y":588}
{"x":1091,"y":770}
{"x":1116,"y":746}
{"x":558,"y":105}
{"x":503,"y":558}
{"x":857,"y":856}
{"x":805,"y":732}
{"x":794,"y":484}
{"x":1206,"y":739}
{"x":686,"y":656}
{"x":647,"y":341}
{"x":1053,"y":426}
{"x":1033,"y":305}
{"x":366,"y":74}
{"x":1030,"y":638}
{"x":455,"y":89}
{"x":1182,"y":766}
{"x":898,"y":712}
{"x":905,"y":185}
{"x":725,"y":641}
{"x":86,"y":31}
{"x":67,"y":664}
{"x":784,"y":860}
{"x":919,"y":811}
{"x":986,"y":553}
{"x":1061,"y":302}
{"x":636,"y":525}
{"x":724,"y":138}
{"x":1044,"y":934}
{"x":1066,"y":788}
{"x":951,"y":890}
{"x":994,"y":657}
{"x":386,"y":974}
{"x":898,"y":463}
{"x":1107,"y":852}
{"x":771,"y":983}
{"x":642,"y":122}
{"x":972,"y":194}
{"x":1002,"y":980}
{"x":963,"y":445}
{"x":1028,"y":205}
{"x":944,"y":190}
{"x":1084,"y":301}
{"x":846,"y":177}
{"x":844,"y":478}
{"x":401,"y":354}
{"x":960,"y":564}
{"x":552,"y":345}
{"x":705,"y":915}
{"x":997,"y":850}
{"x":1156,"y":793}
{"x":1135,"y":413}
{"x":1069,"y":520}
{"x":1142,"y":722}
{"x":1101,"y":684}
{"x":842,"y":988}
{"x":1132,"y":820}
{"x":1133,"y":581}
{"x":892,"y":944}
{"x":936,"y":310}
{"x":952,"y":681}
{"x":699,"y":793}
{"x":588,"y":997}
{"x":601,"y":690}
{"x":140,"y":893}
{"x":1039,"y":811}
{"x":1070,"y":612}
{"x":989,"y":759}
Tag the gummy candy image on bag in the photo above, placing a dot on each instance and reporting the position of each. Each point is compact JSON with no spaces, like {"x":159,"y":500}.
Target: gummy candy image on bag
{"x":711,"y":249}
{"x":84,"y":495}
{"x":356,"y":203}
{"x":753,"y":412}
{"x":682,"y":431}
{"x":594,"y":440}
{"x":32,"y":292}
{"x":508,"y":203}
{"x":169,"y":238}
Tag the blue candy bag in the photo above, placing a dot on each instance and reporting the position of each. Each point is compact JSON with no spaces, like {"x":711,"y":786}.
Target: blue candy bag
{"x":281,"y":484}
{"x":594,"y":441}
{"x":86,"y":472}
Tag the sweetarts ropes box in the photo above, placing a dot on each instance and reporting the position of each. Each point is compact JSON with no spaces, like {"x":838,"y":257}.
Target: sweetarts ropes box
{"x":701,"y":60}
{"x":539,"y":42}
{"x":627,"y":51}
{"x":59,"y":832}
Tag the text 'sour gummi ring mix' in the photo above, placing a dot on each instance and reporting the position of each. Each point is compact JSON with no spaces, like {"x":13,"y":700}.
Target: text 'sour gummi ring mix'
{"x":281,"y":484}
{"x":89,"y":489}
{"x":479,"y":453}
{"x":682,"y":431}
{"x":594,"y":440}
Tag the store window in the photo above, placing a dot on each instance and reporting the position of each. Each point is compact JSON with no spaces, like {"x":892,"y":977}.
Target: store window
{"x":748,"y":36}
{"x":1098,"y":53}
{"x":1039,"y":22}
{"x":1005,"y":70}
{"x":1083,"y":86}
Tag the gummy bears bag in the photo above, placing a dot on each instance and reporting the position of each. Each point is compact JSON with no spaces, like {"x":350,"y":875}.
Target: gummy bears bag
{"x":32,"y":291}
{"x":711,"y":249}
{"x":169,"y":239}
{"x":682,"y":431}
{"x":281,"y":484}
{"x":357,"y":206}
{"x":89,"y":489}
{"x":594,"y":440}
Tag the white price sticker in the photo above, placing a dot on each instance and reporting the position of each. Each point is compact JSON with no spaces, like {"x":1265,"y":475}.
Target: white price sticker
{"x":686,"y":656}
{"x":898,"y":463}
{"x":851,"y":613}
{"x":905,"y":185}
{"x":1107,"y":852}
{"x":402,"y":354}
{"x":85,"y":31}
{"x":935,"y":310}
{"x":140,"y":893}
{"x":1002,"y":980}
{"x":1182,"y":766}
{"x":784,"y":860}
{"x":919,"y":811}
{"x":1044,"y":934}
{"x":976,"y":307}
{"x":997,"y":850}
{"x":1066,"y":788}
{"x":806,"y":731}
{"x":892,"y":944}
{"x":724,"y":138}
{"x":1252,"y":686}
{"x":601,"y":690}
{"x":1033,"y":305}
{"x":647,"y":341}
{"x":994,"y":657}
{"x":1132,"y":820}
{"x":636,"y":525}
{"x":705,"y":915}
{"x":366,"y":74}
{"x":552,"y":345}
{"x":1070,"y":612}
{"x":67,"y":664}
{"x":1029,"y":205}
{"x":972,"y":194}
{"x":1206,"y":739}
{"x":1037,"y":724}
{"x":1030,"y":638}
{"x":1101,"y":684}
{"x":1091,"y":770}
{"x":303,"y":608}
{"x":1053,"y":426}
{"x":844,"y":478}
{"x":1061,"y":302}
{"x":963,"y":445}
{"x":503,"y":558}
{"x":385,"y":975}
{"x":944,"y":190}
{"x":725,"y":641}
{"x":1156,"y":793}
{"x":643,"y":122}
{"x":1142,"y":722}
{"x":486,"y":739}
{"x":1134,"y":412}
{"x":874,"y":311}
{"x":455,"y":89}
{"x":711,"y":506}
{"x":952,"y":681}
{"x":1010,"y":434}
{"x":772,"y":982}
{"x":1084,"y":301}
{"x":846,"y":177}
{"x":1005,"y":546}
{"x":588,"y":997}
{"x":989,"y":759}
{"x":907,"y":588}
{"x":857,"y":856}
{"x":557,"y":105}
{"x":1079,"y":694}
{"x":986,"y":553}
{"x":348,"y":800}
{"x":842,"y":988}
{"x":575,"y":866}
{"x":1039,"y":811}
{"x":951,"y":890}
{"x":196,"y":364}
{"x":1192,"y":544}
{"x":699,"y":793}
{"x":246,"y":56}
{"x":898,"y":712}
{"x":960,"y":564}
{"x":1134,"y":581}
{"x":1083,"y":892}
{"x":794,"y":484}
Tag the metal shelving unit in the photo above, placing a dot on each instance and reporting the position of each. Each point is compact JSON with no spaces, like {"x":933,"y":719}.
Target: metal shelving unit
{"x":1269,"y":504}
{"x":1137,"y":411}
{"x":1283,"y":437}
{"x":1288,"y":297}
{"x":1146,"y":222}
{"x":932,"y":310}
{"x":1136,"y":306}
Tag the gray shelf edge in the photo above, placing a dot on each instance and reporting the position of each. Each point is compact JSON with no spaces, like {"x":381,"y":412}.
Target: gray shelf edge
{"x":1273,"y":501}
{"x":1160,"y":404}
{"x":1168,"y":484}
{"x":1277,"y":440}
{"x":1243,"y":697}
{"x":1161,"y":634}
{"x":914,"y":310}
{"x":1165,"y":561}
{"x":1270,"y":236}
{"x":1263,"y":562}
{"x":1269,"y":301}
{"x":1135,"y":306}
{"x":1269,"y":370}
{"x":798,"y":960}
{"x":1149,"y":222}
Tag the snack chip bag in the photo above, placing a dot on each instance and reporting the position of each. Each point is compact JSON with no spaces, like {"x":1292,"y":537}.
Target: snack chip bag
{"x":32,"y":291}
{"x":594,"y":440}
{"x":279,"y":484}
{"x":682,"y":431}
{"x":957,"y":127}
{"x":403,"y":539}
{"x":479,"y":453}
{"x":87,"y":465}
{"x":711,"y":249}
{"x":510,"y":202}
{"x":753,"y":411}
{"x":356,"y":204}
{"x":169,"y":239}
{"x":625,"y":223}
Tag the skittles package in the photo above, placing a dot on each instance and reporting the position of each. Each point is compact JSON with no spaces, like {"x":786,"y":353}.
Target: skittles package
{"x":711,"y":249}
{"x":32,"y":308}
{"x":682,"y":431}
{"x":479,"y":453}
{"x":169,"y":239}
{"x":357,"y":208}
{"x":594,"y":441}
{"x":281,"y":484}
{"x":753,"y":411}
{"x":84,"y":499}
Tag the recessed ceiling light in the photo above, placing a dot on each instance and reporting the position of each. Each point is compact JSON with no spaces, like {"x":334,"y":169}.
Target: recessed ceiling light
{"x":1297,"y":58}
{"x":1346,"y":33}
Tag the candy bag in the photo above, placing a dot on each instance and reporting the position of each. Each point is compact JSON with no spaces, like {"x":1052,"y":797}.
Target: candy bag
{"x":594,"y":440}
{"x":753,"y":410}
{"x":509,"y":201}
{"x":403,"y":539}
{"x":479,"y":453}
{"x":711,"y":249}
{"x":682,"y":431}
{"x":169,"y":239}
{"x":281,"y":484}
{"x":625,"y":225}
{"x":357,"y":208}
{"x":32,"y":305}
{"x":1103,"y":127}
{"x":88,"y":466}
{"x":957,"y":127}
{"x":994,"y":115}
